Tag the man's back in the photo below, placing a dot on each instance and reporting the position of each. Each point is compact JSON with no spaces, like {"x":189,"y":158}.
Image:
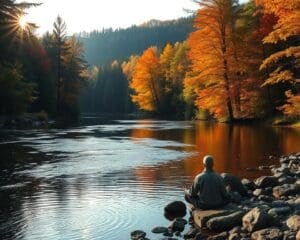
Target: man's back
{"x":210,"y":190}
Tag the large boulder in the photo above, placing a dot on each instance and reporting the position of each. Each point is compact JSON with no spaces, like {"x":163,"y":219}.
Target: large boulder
{"x":257,"y":219}
{"x":224,"y":223}
{"x":294,"y":223}
{"x":202,"y":217}
{"x":235,"y":184}
{"x":266,"y":181}
{"x":286,"y":190}
{"x":176,"y":209}
{"x":267,"y":234}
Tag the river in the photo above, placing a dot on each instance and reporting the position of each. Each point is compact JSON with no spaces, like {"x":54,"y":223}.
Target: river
{"x":104,"y":179}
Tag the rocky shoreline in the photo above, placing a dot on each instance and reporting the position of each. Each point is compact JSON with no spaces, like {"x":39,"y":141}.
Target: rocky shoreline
{"x":263,"y":209}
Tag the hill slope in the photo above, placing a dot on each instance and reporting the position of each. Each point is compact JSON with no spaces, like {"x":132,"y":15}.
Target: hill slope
{"x":103,"y":47}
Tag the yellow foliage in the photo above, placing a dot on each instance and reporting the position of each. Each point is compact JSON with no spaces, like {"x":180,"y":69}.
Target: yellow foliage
{"x":292,"y":107}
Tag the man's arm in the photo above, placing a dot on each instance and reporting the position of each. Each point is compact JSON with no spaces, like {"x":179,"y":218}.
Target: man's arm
{"x":194,"y":189}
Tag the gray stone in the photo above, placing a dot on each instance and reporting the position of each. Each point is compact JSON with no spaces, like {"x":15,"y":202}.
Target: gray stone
{"x":279,"y":211}
{"x":265,"y":198}
{"x":257,"y":219}
{"x":137,"y":235}
{"x":248,"y":184}
{"x":266,"y":181}
{"x":286,"y":180}
{"x":177,"y":225}
{"x":257,"y":192}
{"x":267,"y":234}
{"x":159,"y":230}
{"x":286,"y":190}
{"x":294,"y":223}
{"x":191,"y":233}
{"x":224,"y":223}
{"x":235,"y":184}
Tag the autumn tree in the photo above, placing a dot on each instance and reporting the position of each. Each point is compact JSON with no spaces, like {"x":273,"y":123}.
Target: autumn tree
{"x":146,"y":82}
{"x":284,"y":64}
{"x":212,"y":56}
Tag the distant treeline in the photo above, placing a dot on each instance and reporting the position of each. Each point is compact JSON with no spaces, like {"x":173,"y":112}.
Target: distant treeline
{"x":103,"y":47}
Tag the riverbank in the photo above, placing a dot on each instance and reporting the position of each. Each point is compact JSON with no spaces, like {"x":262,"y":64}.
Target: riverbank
{"x":271,"y":209}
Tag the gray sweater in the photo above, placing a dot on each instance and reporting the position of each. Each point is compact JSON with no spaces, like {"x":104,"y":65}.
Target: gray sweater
{"x":209,"y":188}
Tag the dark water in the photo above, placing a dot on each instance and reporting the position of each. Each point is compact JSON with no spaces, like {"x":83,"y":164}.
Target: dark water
{"x":104,"y":181}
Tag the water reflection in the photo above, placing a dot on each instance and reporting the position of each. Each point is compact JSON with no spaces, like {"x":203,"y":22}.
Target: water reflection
{"x":103,"y":181}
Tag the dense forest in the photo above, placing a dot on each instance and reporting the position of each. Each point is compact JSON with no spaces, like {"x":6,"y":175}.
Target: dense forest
{"x":103,"y":47}
{"x":228,"y":62}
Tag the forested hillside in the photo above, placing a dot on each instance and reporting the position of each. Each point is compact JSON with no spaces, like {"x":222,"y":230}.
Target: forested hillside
{"x":103,"y":47}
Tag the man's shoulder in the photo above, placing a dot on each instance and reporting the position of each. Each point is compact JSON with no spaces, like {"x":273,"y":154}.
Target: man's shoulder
{"x":211,"y":175}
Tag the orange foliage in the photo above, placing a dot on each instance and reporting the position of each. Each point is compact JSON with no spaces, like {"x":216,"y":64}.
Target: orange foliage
{"x":211,"y":53}
{"x":144,"y":81}
{"x":292,"y":107}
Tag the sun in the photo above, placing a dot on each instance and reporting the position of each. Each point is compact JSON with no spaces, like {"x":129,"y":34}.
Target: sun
{"x":22,"y":22}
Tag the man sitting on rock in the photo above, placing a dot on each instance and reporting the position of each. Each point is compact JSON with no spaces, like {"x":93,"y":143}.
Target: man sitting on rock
{"x":208,"y":190}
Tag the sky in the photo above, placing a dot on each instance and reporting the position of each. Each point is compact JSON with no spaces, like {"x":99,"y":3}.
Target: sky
{"x":89,"y":15}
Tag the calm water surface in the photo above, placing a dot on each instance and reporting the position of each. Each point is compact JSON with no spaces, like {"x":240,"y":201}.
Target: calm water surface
{"x":104,"y":181}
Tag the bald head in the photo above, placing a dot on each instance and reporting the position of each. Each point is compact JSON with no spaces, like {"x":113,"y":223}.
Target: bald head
{"x":208,"y":162}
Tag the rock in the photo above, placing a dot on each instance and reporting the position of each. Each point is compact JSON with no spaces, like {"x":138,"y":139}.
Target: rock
{"x":278,"y":204}
{"x":279,"y":211}
{"x":191,"y":233}
{"x":223,"y":223}
{"x":265,"y":198}
{"x":260,"y":168}
{"x":138,"y":235}
{"x":286,"y":180}
{"x":221,"y":236}
{"x":159,"y":230}
{"x":174,"y":210}
{"x":267,"y":234}
{"x":235,"y":197}
{"x":234,"y":236}
{"x":202,"y":217}
{"x":259,"y":192}
{"x":248,"y":184}
{"x":286,"y":190}
{"x":257,"y":219}
{"x":177,"y":225}
{"x":235,"y":184}
{"x":294,"y":223}
{"x":266,"y":181}
{"x":283,"y":169}
{"x":200,"y":236}
{"x":289,"y":235}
